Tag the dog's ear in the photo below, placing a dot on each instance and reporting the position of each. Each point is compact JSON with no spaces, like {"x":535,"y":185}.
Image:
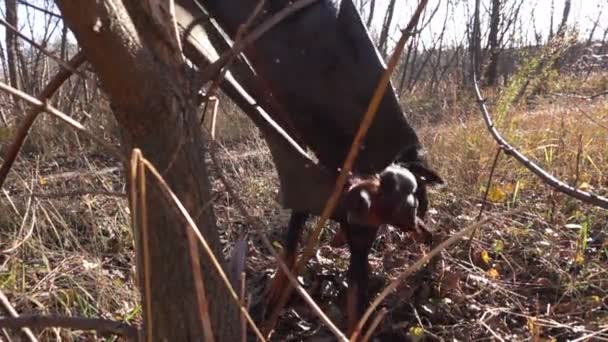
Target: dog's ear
{"x":422,"y":171}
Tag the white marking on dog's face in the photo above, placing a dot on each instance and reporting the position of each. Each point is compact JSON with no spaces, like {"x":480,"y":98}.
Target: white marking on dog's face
{"x":398,"y":180}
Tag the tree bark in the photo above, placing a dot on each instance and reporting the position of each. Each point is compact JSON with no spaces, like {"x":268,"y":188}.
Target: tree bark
{"x":154,"y":104}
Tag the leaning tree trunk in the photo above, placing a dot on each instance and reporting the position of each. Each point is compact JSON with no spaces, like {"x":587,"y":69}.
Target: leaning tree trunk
{"x":145,"y":79}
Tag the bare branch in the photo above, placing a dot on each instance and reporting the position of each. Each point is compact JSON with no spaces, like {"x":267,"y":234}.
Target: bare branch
{"x":549,"y":179}
{"x":598,"y":95}
{"x":240,"y":45}
{"x":42,"y":106}
{"x":32,"y":114}
{"x":39,"y":47}
{"x":38,"y":8}
{"x":99,"y":325}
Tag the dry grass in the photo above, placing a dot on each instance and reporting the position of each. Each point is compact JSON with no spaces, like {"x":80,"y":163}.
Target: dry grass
{"x":540,"y":274}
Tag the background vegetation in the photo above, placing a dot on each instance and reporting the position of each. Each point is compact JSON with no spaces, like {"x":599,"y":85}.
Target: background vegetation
{"x":540,"y":274}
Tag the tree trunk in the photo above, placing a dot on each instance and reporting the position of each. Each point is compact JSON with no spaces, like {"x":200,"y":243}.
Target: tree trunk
{"x":370,"y":18}
{"x":11,"y":45}
{"x":388,"y":19}
{"x":551,"y":20}
{"x":153,"y":102}
{"x":565,"y":14}
{"x":476,"y":41}
{"x":492,"y":71}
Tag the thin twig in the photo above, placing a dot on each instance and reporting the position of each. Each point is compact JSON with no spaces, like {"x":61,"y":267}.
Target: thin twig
{"x":27,"y":235}
{"x":259,"y":230}
{"x":484,"y":200}
{"x":488,"y":185}
{"x":598,"y":95}
{"x":547,"y":178}
{"x":579,"y":152}
{"x":184,"y":213}
{"x":82,"y":192}
{"x":232,"y":57}
{"x":45,"y":11}
{"x":238,"y":47}
{"x":350,"y":159}
{"x":13,"y":313}
{"x":591,"y":118}
{"x":44,"y":106}
{"x":374,"y":324}
{"x":27,"y":121}
{"x":42,"y":49}
{"x":588,"y":336}
{"x":415,"y":267}
{"x":100,"y":325}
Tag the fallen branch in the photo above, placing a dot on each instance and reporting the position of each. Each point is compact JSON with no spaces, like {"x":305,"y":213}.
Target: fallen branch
{"x":81,"y":173}
{"x":82,"y":192}
{"x":99,"y":325}
{"x":27,"y":122}
{"x":547,"y":178}
{"x":13,"y":313}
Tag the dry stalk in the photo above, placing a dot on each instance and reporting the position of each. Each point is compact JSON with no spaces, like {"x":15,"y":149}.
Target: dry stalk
{"x":244,"y":304}
{"x":142,"y":228}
